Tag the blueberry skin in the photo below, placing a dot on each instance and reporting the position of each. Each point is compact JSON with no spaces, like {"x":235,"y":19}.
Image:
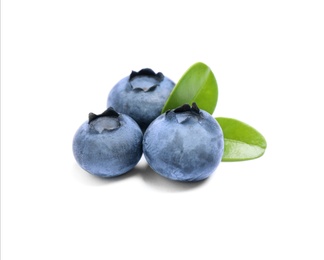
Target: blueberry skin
{"x":141,"y":95}
{"x":184,"y":144}
{"x":108,"y":146}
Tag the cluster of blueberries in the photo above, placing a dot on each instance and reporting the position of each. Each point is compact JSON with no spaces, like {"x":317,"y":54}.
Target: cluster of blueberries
{"x":183,"y":144}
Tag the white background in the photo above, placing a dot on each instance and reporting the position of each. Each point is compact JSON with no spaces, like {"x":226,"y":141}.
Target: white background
{"x":59,"y":60}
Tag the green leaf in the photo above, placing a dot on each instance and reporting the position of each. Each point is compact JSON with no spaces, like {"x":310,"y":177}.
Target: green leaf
{"x":198,"y":85}
{"x":242,"y":142}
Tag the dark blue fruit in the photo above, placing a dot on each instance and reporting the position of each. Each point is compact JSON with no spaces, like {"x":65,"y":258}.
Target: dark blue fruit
{"x":184,"y":144}
{"x":109,"y":144}
{"x":141,"y":95}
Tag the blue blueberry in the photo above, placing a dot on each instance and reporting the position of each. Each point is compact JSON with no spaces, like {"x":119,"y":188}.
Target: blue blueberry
{"x":109,"y":144}
{"x":184,"y":144}
{"x":141,"y":95}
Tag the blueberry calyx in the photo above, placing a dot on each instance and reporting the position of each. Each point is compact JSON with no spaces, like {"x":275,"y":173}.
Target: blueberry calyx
{"x":145,"y":79}
{"x":108,"y":120}
{"x":186,"y":108}
{"x":109,"y":112}
{"x":147,"y":72}
{"x":183,"y":113}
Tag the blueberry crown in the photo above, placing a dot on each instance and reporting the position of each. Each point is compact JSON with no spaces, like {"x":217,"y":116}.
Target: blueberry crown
{"x":181,"y":115}
{"x":147,"y":72}
{"x":110,"y":112}
{"x":145,"y":80}
{"x":186,"y":108}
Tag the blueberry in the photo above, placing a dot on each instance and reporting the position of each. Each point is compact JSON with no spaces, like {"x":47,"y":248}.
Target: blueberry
{"x":141,"y":95}
{"x":108,"y":144}
{"x":184,"y":144}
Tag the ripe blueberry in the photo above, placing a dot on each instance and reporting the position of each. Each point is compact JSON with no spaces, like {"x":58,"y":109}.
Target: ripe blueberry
{"x":141,"y":95}
{"x":108,"y":144}
{"x":184,"y":144}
